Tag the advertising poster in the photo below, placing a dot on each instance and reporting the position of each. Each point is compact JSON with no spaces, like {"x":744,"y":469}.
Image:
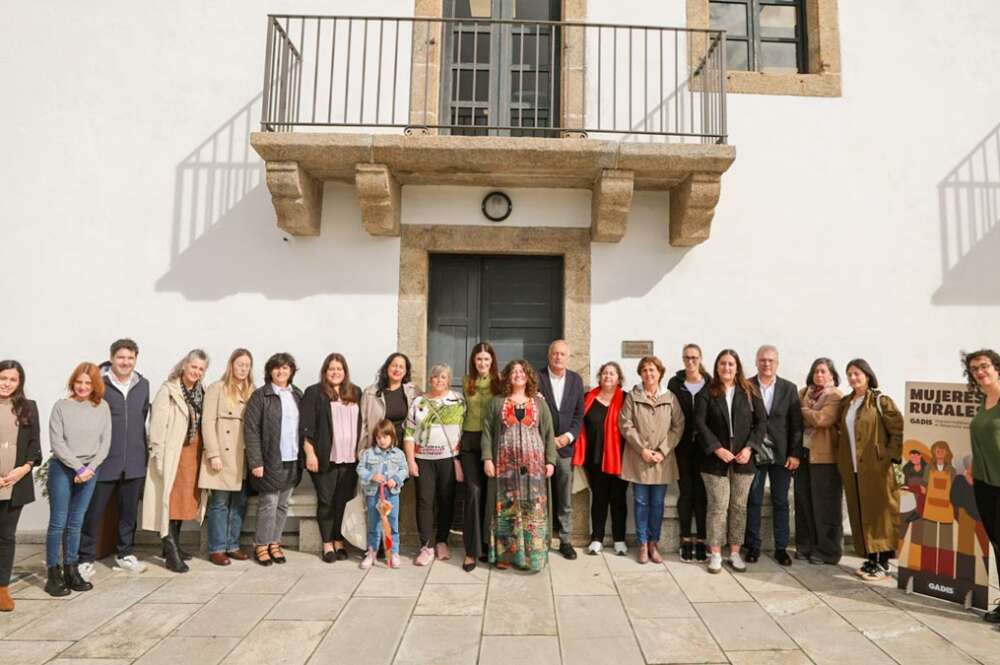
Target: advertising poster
{"x":943,"y":549}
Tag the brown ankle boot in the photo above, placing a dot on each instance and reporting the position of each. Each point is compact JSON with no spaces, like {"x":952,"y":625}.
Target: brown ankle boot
{"x":6,"y":602}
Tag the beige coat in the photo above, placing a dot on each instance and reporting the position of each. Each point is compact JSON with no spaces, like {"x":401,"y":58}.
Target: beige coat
{"x":168,"y":425}
{"x":222,"y":434}
{"x":820,"y":420}
{"x":645,"y":425}
{"x":373,"y":410}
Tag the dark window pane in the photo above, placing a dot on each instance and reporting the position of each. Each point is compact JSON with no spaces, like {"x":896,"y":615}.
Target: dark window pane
{"x":473,"y":8}
{"x":533,"y":10}
{"x":526,"y":94}
{"x":778,"y":57}
{"x":728,"y":17}
{"x":777,"y":22}
{"x":468,"y":116}
{"x":471,"y":50}
{"x":737,"y":56}
{"x":463,"y":82}
{"x":530,"y":42}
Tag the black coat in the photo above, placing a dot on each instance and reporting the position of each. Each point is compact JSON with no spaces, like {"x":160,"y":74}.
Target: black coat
{"x":316,"y":423}
{"x":128,"y":452}
{"x":686,"y":400}
{"x":29,"y":449}
{"x":784,"y":420}
{"x":262,"y":436}
{"x":749,"y":428}
{"x":568,"y":416}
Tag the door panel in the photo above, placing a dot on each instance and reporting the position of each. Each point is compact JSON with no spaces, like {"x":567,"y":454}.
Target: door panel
{"x":514,"y":302}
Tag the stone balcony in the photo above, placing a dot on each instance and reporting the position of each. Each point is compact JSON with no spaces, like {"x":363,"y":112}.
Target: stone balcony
{"x":379,"y":165}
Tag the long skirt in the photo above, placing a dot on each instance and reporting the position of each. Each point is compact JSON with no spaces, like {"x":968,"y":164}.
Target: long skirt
{"x":185,"y":496}
{"x":520,"y":531}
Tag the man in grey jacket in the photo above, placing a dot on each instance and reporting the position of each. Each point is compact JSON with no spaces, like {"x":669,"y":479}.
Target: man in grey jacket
{"x":124,"y":470}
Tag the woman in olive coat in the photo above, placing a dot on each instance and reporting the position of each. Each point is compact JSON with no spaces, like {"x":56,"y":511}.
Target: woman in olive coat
{"x":870,"y":440}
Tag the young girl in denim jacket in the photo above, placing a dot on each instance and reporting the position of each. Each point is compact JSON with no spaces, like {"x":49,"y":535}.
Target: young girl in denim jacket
{"x":382,"y":463}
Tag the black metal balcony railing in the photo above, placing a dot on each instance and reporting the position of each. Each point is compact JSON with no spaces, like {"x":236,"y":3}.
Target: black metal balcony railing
{"x":494,"y":77}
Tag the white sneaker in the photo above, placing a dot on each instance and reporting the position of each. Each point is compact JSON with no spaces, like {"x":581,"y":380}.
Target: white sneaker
{"x":715,"y":562}
{"x":594,"y":547}
{"x":87,"y":570}
{"x":736,"y":561}
{"x":369,"y":560}
{"x":620,"y":548}
{"x":130,"y":564}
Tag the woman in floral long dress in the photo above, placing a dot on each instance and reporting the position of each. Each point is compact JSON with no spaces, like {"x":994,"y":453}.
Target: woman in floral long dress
{"x":519,"y":456}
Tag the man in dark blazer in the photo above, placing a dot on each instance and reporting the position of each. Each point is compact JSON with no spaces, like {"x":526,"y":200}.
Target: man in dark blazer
{"x":563,"y":392}
{"x":784,"y":437}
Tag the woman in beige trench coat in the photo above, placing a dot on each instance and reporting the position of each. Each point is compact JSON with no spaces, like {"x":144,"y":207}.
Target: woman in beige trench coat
{"x":651,"y":423}
{"x":223,"y":465}
{"x":171,"y":493}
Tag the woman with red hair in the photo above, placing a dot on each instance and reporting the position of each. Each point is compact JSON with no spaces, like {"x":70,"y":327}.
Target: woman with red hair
{"x":80,"y":438}
{"x":599,"y":451}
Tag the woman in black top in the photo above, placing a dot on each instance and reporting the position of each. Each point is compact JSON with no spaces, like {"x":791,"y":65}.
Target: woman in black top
{"x":692,"y":501}
{"x":18,"y":430}
{"x":599,"y":451}
{"x":389,"y":397}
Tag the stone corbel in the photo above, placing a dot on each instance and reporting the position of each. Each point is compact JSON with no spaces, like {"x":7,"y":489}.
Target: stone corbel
{"x":379,"y":198}
{"x":297,"y":198}
{"x":610,"y":205}
{"x":692,"y":206}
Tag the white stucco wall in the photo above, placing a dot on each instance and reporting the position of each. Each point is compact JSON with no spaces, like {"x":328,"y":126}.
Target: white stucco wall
{"x":133,"y":207}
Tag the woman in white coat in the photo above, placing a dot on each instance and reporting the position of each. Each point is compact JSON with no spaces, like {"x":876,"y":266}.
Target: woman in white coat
{"x":171,"y":493}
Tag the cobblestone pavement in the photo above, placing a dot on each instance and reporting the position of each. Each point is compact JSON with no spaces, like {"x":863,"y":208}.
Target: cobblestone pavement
{"x":596,"y":609}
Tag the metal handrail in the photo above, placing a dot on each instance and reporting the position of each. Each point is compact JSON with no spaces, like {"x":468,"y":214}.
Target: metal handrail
{"x":629,"y":81}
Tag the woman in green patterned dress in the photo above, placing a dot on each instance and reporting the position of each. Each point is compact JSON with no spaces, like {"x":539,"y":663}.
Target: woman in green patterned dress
{"x":519,"y":456}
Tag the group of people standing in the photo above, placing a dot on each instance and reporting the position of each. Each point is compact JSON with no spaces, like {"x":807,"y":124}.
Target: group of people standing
{"x":514,"y":437}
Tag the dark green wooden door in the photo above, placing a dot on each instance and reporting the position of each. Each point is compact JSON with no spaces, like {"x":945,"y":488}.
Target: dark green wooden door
{"x":513,"y":302}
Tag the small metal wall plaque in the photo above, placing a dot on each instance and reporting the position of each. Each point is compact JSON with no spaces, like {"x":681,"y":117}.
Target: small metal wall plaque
{"x":637,"y":348}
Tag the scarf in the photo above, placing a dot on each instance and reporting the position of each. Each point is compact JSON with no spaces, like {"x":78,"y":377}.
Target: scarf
{"x":816,"y":394}
{"x":195,"y":399}
{"x":611,"y":461}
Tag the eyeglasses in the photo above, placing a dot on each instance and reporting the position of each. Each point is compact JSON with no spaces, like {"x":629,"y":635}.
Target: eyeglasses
{"x":981,"y":367}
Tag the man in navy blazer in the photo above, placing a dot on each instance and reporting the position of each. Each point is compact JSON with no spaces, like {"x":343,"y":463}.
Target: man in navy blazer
{"x":784,"y":437}
{"x":563,"y":392}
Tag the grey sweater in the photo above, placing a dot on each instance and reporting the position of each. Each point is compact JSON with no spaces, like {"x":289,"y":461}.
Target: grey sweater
{"x":80,"y":433}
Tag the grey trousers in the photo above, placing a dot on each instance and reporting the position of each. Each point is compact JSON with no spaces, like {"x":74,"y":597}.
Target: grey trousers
{"x":272,"y":511}
{"x":727,"y":501}
{"x":562,"y":498}
{"x":819,"y":518}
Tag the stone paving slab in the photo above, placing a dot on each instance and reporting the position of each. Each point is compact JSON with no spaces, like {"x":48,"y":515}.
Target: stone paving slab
{"x":133,"y":632}
{"x":583,"y":576}
{"x":743,"y":627}
{"x":440,"y":640}
{"x":700,"y":586}
{"x":507,"y":649}
{"x":654,"y":596}
{"x":595,"y":629}
{"x":279,"y":643}
{"x":351,"y":633}
{"x":676,"y":641}
{"x":229,"y":615}
{"x":520,"y":604}
{"x":318,"y":596}
{"x":30,"y":653}
{"x":199,"y":650}
{"x":452,"y":599}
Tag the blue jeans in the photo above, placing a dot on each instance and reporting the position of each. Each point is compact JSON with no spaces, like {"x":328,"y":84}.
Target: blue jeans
{"x":375,"y":521}
{"x":225,"y":519}
{"x":781,"y":479}
{"x":648,"y":501}
{"x":68,"y":502}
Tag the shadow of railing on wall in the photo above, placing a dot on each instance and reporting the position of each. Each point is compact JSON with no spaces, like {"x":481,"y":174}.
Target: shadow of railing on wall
{"x":969,"y":209}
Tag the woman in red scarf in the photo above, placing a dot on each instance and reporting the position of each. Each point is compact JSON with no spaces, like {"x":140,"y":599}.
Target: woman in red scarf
{"x":599,"y":452}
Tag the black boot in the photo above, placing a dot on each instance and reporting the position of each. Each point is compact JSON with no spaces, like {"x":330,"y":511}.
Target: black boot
{"x":172,"y":557}
{"x":175,"y":533}
{"x":55,"y":585}
{"x":75,"y":581}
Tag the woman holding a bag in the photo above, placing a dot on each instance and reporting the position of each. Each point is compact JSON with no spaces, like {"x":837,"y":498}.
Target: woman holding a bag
{"x":732,"y":422}
{"x":431,"y":438}
{"x":871,"y":439}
